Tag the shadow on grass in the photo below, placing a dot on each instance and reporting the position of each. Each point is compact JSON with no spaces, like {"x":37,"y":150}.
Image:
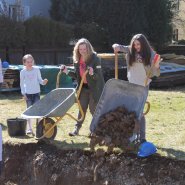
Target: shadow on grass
{"x":174,"y":89}
{"x":67,"y":145}
{"x":22,"y":137}
{"x":10,"y":95}
{"x":171,"y":153}
{"x":4,"y":127}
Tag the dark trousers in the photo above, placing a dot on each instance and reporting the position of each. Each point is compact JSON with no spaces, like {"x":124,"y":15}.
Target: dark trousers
{"x":86,"y":99}
{"x":32,"y":98}
{"x":142,"y":125}
{"x":142,"y":121}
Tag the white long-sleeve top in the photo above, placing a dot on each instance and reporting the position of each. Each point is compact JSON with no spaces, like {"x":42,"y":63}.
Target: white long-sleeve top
{"x":137,"y":73}
{"x":30,"y":81}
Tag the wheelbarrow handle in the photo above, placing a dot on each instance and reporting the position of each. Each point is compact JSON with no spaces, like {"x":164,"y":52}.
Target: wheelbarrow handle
{"x":58,"y":79}
{"x":81,"y":83}
{"x":148,"y":108}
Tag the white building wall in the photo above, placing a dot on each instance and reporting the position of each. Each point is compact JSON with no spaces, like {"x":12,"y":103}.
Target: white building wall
{"x":38,"y":7}
{"x":32,"y":7}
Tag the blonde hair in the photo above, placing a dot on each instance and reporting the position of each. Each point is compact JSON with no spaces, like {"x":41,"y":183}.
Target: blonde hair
{"x":76,"y":54}
{"x":27,"y":56}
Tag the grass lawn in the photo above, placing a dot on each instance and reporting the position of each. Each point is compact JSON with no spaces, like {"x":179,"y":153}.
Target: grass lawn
{"x":165,"y":122}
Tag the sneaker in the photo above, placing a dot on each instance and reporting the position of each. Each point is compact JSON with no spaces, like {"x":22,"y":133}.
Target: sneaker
{"x":133,"y":138}
{"x":75,"y":132}
{"x":30,"y":131}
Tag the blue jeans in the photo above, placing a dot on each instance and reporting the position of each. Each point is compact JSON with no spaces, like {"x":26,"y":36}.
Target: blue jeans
{"x":32,"y":98}
{"x":142,"y":121}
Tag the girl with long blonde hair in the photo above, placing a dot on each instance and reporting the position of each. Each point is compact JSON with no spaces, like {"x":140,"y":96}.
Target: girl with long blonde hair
{"x":85,"y":58}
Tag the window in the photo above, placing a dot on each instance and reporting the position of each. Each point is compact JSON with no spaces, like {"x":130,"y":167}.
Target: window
{"x":18,"y":12}
{"x":13,"y":12}
{"x":26,"y":10}
{"x":175,"y":34}
{"x":1,"y":7}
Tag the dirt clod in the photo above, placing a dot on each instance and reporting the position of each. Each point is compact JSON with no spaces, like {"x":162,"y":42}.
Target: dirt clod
{"x":100,"y":152}
{"x":114,"y":129}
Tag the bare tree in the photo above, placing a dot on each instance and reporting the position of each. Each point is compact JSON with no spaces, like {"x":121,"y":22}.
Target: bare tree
{"x":3,"y":8}
{"x":16,"y":13}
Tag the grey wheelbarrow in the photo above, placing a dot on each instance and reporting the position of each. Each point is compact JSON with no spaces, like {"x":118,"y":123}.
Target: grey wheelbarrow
{"x":53,"y":107}
{"x":120,"y":93}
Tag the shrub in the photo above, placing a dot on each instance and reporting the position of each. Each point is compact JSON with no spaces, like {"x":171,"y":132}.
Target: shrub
{"x":42,"y":32}
{"x":181,"y":42}
{"x":12,"y":33}
{"x":94,"y":33}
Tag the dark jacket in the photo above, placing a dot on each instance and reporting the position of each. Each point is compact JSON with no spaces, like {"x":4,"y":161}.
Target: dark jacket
{"x":96,"y":81}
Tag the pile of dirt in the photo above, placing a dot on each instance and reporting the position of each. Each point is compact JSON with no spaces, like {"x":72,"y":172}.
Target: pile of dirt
{"x":114,"y":129}
{"x":36,"y":164}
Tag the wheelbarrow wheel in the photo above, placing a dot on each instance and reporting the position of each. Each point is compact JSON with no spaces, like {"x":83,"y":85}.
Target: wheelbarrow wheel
{"x":43,"y":126}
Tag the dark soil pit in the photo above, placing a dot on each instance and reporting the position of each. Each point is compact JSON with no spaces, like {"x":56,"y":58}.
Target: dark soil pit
{"x":43,"y":164}
{"x":114,"y":130}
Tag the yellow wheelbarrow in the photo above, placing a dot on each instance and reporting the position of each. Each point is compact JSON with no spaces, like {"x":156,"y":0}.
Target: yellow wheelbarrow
{"x":53,"y":107}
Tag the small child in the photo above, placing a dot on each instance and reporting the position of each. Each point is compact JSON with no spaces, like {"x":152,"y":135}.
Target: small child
{"x":30,"y":80}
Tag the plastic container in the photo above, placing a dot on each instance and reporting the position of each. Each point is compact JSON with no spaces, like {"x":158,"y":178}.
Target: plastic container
{"x":146,"y":149}
{"x":5,"y":64}
{"x":16,"y":127}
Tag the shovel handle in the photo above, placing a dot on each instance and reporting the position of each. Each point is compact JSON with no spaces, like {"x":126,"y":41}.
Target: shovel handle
{"x":116,"y":65}
{"x":81,"y":84}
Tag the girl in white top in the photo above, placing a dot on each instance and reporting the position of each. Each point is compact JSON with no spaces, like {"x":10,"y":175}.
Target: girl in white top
{"x":30,"y":80}
{"x":140,"y":66}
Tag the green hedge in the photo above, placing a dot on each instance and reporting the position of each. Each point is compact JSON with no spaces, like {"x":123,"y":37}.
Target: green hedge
{"x":182,"y":42}
{"x":12,"y":33}
{"x":94,"y":33}
{"x":120,"y":18}
{"x":36,"y":32}
{"x":47,"y":33}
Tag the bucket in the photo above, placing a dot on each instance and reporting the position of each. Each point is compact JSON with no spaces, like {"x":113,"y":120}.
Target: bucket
{"x":16,"y":126}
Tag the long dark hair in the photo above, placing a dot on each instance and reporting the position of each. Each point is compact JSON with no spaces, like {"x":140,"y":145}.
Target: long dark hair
{"x":145,"y":49}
